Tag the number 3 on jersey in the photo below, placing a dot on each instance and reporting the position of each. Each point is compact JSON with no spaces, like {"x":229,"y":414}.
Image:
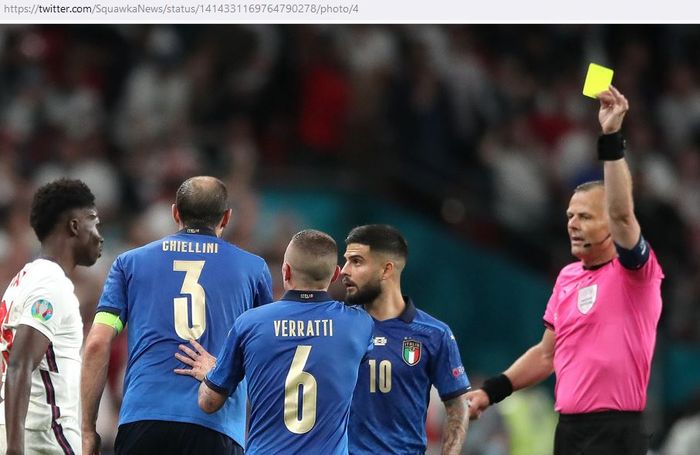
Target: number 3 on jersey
{"x":191,"y":286}
{"x":300,"y":393}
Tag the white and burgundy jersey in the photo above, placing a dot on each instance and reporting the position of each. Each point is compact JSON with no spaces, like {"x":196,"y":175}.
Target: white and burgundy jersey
{"x":42,"y":297}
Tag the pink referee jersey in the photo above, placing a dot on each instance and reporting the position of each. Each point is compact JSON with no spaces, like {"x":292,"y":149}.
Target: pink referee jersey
{"x":605,"y":322}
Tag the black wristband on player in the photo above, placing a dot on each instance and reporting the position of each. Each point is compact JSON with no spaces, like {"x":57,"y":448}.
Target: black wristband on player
{"x":611,"y":147}
{"x":497,"y":388}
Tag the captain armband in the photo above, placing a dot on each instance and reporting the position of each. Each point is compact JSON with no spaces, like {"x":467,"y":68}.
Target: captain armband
{"x":611,"y":147}
{"x":497,"y":388}
{"x":109,"y":319}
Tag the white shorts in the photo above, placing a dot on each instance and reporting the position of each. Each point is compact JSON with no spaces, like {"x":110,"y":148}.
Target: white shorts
{"x":59,"y":442}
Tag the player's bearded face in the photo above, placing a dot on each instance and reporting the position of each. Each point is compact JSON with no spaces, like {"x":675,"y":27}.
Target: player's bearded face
{"x":361,"y":274}
{"x":363,"y":294}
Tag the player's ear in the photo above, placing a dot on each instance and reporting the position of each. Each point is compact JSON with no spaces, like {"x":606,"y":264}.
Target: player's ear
{"x":336,"y":274}
{"x":176,"y":214}
{"x":388,"y":270}
{"x":286,"y":272}
{"x":73,"y":226}
{"x":225,"y":218}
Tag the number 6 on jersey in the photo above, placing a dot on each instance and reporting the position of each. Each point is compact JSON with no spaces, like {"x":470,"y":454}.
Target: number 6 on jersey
{"x":298,"y":378}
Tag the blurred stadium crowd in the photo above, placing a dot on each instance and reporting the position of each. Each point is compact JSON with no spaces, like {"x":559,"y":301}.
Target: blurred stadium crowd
{"x":482,"y":128}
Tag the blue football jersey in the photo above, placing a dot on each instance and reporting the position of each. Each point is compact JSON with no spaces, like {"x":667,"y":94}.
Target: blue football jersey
{"x":390,"y":404}
{"x":190,"y":285}
{"x":301,"y":357}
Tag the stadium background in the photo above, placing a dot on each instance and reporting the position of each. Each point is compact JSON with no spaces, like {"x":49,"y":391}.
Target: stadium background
{"x":467,"y":138}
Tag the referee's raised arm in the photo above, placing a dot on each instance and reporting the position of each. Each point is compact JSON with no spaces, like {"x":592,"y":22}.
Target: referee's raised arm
{"x":624,"y":227}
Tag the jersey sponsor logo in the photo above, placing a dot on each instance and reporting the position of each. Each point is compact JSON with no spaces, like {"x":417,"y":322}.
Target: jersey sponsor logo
{"x":456,"y":372}
{"x":411,"y":352}
{"x":379,"y":341}
{"x":42,"y":310}
{"x":586,"y":298}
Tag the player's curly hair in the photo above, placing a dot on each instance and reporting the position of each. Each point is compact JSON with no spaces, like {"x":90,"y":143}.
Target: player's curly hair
{"x":52,"y":200}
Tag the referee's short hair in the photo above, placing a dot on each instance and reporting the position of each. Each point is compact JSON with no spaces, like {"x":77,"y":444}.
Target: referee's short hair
{"x":380,"y":238}
{"x":588,"y":186}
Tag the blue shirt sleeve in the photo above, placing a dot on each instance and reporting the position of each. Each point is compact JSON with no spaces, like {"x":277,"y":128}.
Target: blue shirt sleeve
{"x":370,"y":341}
{"x":114,"y":293}
{"x":446,"y":370}
{"x":229,"y":370}
{"x":263,"y":293}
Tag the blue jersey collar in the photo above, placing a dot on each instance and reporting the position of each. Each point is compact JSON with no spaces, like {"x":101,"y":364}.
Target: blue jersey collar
{"x":307,"y":296}
{"x":408,"y":313}
{"x":197,"y":230}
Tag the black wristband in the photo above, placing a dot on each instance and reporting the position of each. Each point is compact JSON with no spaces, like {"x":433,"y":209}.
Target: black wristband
{"x":611,"y":147}
{"x":497,"y":388}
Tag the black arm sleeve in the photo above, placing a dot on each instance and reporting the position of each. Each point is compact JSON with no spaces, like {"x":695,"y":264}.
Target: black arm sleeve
{"x":635,"y":258}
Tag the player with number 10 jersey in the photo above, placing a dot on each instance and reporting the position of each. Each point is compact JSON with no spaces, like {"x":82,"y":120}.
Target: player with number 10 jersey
{"x":189,"y":285}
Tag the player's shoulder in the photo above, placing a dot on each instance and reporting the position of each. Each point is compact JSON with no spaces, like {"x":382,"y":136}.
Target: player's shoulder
{"x":356,"y":311}
{"x":244,"y":255}
{"x":43,"y":279}
{"x":259,"y":313}
{"x":430,"y":323}
{"x":352,"y":314}
{"x":42,"y":271}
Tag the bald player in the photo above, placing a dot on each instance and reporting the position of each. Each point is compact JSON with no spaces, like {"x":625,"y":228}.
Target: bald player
{"x":301,"y":356}
{"x":187,"y":286}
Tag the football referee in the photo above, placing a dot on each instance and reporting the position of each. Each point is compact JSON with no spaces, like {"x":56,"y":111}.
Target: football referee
{"x":601,"y":318}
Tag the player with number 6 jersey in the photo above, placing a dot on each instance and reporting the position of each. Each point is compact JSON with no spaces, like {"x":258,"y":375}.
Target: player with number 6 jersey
{"x":188,"y":286}
{"x":301,"y":356}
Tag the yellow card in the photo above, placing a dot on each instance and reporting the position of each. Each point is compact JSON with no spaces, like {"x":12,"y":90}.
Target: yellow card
{"x":598,"y":80}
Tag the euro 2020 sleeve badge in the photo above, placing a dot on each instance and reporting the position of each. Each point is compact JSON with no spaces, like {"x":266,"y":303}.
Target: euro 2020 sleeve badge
{"x":42,"y":310}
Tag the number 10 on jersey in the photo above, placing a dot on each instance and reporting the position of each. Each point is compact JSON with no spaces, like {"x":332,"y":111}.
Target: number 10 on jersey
{"x":384,"y":381}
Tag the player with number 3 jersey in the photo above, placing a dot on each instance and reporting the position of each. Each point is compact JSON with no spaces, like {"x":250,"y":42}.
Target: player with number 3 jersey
{"x":188,"y":286}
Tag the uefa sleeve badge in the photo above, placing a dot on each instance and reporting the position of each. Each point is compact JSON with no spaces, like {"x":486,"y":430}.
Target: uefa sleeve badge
{"x":42,"y":310}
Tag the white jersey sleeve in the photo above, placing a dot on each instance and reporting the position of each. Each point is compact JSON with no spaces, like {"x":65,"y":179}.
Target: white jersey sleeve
{"x":45,"y":303}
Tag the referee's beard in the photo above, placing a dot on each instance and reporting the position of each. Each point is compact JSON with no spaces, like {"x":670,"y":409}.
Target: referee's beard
{"x":364,"y":295}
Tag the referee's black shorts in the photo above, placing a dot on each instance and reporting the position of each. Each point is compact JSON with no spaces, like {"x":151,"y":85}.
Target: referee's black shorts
{"x":601,"y":433}
{"x":149,"y":437}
